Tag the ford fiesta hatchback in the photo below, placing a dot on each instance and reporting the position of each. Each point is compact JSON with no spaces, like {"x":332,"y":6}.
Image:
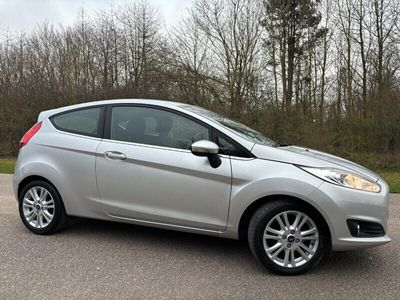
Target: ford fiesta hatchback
{"x":181,"y":167}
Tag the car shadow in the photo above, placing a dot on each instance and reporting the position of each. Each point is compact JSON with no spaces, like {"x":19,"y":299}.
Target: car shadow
{"x":229,"y":251}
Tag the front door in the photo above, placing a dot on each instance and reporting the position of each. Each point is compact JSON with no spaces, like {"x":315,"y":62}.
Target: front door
{"x":145,"y":170}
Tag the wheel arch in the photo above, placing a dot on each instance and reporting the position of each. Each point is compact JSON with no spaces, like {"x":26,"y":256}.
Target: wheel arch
{"x":32,"y":178}
{"x":250,"y":210}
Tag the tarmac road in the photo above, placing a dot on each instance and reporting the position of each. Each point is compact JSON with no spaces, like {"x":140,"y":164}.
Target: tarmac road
{"x":94,"y":259}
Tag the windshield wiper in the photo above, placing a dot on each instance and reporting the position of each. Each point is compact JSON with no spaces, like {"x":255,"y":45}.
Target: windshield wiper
{"x":282,"y":145}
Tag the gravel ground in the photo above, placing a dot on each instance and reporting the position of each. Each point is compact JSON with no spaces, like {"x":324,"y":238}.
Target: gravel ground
{"x":94,"y":259}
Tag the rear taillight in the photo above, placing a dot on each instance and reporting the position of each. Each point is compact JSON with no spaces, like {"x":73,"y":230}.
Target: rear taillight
{"x":31,"y":132}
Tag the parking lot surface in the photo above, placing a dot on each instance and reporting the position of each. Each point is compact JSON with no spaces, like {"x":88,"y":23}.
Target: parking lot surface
{"x":95,"y":259}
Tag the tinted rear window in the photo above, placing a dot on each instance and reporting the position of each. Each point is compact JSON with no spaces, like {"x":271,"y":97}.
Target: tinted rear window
{"x":84,"y":121}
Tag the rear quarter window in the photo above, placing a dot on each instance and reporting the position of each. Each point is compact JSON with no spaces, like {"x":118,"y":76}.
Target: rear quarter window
{"x":83,"y":121}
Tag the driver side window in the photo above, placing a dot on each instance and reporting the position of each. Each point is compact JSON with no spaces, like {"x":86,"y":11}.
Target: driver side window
{"x":156,"y":127}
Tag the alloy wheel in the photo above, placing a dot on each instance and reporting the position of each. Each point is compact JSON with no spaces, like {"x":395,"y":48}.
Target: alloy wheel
{"x":38,"y":207}
{"x":291,"y":239}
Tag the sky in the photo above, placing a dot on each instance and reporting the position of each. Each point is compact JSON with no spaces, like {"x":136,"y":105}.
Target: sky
{"x":23,"y":15}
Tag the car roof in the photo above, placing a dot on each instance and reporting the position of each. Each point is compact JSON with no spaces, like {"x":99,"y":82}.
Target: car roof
{"x":122,"y":101}
{"x":47,"y":113}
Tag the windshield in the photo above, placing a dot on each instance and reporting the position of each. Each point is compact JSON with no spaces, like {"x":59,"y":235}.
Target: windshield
{"x":238,"y":128}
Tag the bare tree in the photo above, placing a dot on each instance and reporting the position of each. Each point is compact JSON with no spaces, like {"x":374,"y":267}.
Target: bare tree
{"x":233,"y":31}
{"x":316,"y":72}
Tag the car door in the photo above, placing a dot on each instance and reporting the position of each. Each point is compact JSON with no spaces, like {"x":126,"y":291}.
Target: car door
{"x":145,"y":170}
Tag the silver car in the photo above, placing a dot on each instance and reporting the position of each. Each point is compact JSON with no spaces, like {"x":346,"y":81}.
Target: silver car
{"x":176,"y":166}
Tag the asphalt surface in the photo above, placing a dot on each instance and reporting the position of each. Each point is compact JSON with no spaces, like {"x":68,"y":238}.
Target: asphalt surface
{"x":95,"y":259}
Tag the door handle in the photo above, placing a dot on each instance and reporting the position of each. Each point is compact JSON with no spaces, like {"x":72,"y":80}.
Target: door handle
{"x":115,"y":155}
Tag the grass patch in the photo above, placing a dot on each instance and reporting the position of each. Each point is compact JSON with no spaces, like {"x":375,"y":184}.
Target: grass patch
{"x":391,"y":177}
{"x":7,"y":165}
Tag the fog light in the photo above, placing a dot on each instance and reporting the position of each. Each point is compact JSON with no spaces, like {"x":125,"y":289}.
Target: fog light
{"x":365,"y":228}
{"x":354,"y":227}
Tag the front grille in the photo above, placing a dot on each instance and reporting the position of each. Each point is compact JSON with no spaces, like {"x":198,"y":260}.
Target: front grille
{"x":365,"y":228}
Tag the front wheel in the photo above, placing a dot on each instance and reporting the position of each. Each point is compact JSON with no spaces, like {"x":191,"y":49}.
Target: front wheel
{"x":287,"y":238}
{"x":41,"y":208}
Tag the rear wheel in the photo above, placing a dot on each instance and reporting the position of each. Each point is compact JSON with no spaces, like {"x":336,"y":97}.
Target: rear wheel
{"x":41,"y":208}
{"x":287,"y":238}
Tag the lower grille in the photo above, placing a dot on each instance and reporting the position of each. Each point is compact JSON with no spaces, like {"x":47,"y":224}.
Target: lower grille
{"x":365,"y":228}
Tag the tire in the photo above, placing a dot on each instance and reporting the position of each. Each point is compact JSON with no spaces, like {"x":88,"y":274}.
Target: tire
{"x":41,"y":208}
{"x":312,"y":235}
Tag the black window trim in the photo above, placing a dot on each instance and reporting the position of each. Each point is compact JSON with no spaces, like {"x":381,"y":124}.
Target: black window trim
{"x":246,"y":153}
{"x":100,"y":126}
{"x":212,"y":131}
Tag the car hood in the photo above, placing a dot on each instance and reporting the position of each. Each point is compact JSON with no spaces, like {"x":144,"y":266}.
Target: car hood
{"x":310,"y":158}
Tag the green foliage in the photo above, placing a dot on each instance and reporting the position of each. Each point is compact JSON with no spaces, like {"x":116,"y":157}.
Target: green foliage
{"x":374,"y":161}
{"x":7,"y":165}
{"x":393,"y":179}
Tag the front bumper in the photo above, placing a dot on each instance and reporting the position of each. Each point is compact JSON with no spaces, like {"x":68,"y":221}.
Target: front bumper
{"x":339,"y":204}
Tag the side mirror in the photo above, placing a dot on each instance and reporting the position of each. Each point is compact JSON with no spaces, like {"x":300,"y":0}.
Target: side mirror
{"x":209,"y":149}
{"x":204,"y":148}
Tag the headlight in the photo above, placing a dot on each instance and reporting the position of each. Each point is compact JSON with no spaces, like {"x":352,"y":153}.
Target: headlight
{"x":344,"y":178}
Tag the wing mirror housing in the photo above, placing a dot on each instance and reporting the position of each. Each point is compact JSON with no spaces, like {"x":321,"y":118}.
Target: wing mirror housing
{"x":208,"y":149}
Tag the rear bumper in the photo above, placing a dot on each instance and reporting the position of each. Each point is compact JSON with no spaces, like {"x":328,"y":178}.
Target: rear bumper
{"x":17,"y":177}
{"x":15,"y":188}
{"x":339,"y":204}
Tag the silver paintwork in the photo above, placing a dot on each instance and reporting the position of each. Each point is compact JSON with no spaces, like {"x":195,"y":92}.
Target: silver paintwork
{"x":205,"y":147}
{"x":163,"y":185}
{"x":38,"y":207}
{"x":294,"y":243}
{"x":174,"y":189}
